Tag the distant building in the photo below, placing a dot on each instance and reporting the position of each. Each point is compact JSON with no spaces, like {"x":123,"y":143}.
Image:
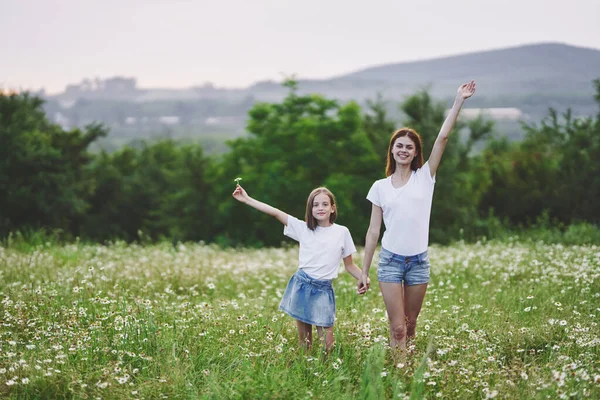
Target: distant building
{"x":169,"y":119}
{"x":509,"y":113}
{"x":115,"y":85}
{"x":62,"y":120}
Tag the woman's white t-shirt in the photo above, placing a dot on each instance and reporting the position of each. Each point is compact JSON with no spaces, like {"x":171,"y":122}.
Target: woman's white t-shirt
{"x":321,"y":250}
{"x":406,"y":211}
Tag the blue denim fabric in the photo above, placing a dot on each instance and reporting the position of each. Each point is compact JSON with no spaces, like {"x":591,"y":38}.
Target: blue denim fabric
{"x":410,"y":270}
{"x":309,"y":300}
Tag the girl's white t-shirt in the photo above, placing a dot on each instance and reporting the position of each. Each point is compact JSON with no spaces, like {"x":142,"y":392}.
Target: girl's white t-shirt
{"x":321,"y":250}
{"x":406,"y":211}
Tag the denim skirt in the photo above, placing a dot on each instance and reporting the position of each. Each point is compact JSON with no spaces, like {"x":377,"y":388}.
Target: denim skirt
{"x":309,"y":300}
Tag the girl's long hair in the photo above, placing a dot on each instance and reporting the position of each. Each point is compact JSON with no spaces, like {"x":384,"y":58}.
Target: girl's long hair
{"x":312,"y":221}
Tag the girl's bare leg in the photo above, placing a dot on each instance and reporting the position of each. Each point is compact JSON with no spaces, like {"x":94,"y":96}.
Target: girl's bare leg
{"x":326,"y":337}
{"x":304,"y":334}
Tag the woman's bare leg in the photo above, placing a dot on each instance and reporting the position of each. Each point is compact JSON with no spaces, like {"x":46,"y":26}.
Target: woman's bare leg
{"x":413,"y":301}
{"x":393,"y":297}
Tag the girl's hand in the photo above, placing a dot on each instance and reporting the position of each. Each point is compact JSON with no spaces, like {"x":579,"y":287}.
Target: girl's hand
{"x":466,"y":90}
{"x":363,"y":284}
{"x":240,"y":194}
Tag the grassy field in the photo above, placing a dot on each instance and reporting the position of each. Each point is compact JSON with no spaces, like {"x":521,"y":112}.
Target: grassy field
{"x":500,"y":319}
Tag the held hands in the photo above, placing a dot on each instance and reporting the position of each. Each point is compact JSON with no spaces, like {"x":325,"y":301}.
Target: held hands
{"x":240,"y":194}
{"x":363,"y":284}
{"x":466,"y":90}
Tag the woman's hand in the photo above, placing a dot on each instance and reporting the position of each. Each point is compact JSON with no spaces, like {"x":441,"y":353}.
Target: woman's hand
{"x":363,"y":284}
{"x":466,"y":90}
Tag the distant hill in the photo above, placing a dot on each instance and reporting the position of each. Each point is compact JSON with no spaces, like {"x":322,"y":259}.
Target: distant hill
{"x":528,"y":79}
{"x":548,"y":69}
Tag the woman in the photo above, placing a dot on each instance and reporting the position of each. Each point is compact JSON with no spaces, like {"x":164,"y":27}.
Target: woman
{"x":403,"y":201}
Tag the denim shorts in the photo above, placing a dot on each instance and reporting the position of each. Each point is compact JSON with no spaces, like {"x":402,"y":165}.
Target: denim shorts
{"x":309,"y":300}
{"x":410,"y":270}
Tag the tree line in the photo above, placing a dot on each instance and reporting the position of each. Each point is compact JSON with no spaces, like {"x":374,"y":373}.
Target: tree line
{"x":50,"y":180}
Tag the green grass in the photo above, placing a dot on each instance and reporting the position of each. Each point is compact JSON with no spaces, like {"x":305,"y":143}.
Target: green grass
{"x":500,"y":319}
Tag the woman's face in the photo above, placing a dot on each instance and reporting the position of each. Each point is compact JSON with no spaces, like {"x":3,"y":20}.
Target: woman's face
{"x":404,"y":150}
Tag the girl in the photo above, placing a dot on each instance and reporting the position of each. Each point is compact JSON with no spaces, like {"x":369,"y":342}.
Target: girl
{"x":403,"y":201}
{"x":309,"y":296}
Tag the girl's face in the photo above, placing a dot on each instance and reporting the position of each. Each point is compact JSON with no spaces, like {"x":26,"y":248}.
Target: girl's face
{"x":322,"y":209}
{"x":404,"y":150}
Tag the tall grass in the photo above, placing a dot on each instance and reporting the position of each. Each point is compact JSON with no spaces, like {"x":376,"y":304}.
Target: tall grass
{"x":505,"y":319}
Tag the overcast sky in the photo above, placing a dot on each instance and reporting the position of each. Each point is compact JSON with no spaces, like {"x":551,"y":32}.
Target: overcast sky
{"x":233,"y":43}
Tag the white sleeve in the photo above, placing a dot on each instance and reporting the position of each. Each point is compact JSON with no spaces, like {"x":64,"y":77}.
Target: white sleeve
{"x":425,"y":172}
{"x":294,"y":228}
{"x":348,"y":244}
{"x":373,"y":195}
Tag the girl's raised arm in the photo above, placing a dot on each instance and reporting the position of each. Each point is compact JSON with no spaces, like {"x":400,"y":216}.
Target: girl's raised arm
{"x":240,"y":195}
{"x":464,"y":92}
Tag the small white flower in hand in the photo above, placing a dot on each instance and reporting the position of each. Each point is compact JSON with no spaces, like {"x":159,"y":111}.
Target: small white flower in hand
{"x":237,"y":180}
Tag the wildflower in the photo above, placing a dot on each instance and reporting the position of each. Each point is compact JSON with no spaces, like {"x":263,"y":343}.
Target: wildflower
{"x":237,"y":180}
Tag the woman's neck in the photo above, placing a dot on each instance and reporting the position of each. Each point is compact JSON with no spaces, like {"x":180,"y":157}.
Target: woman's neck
{"x":402,"y":172}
